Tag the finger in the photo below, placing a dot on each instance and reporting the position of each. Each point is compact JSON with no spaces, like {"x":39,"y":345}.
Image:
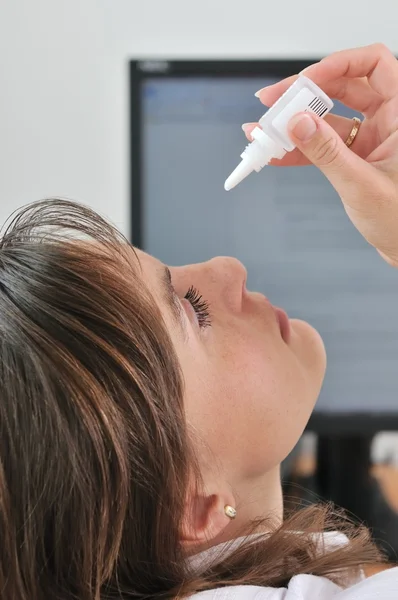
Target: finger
{"x":363,"y":145}
{"x":385,"y":156}
{"x":271,"y":93}
{"x":342,"y":125}
{"x":354,"y":93}
{"x":374,"y":62}
{"x":248,"y":128}
{"x":291,"y":159}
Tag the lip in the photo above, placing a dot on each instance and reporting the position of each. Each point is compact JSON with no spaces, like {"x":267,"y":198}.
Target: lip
{"x":281,"y":316}
{"x":284,"y":323}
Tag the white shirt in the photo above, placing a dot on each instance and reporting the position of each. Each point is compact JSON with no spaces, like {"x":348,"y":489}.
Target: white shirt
{"x":383,"y":586}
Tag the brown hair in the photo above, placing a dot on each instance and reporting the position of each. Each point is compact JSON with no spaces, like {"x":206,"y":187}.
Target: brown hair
{"x":94,"y":451}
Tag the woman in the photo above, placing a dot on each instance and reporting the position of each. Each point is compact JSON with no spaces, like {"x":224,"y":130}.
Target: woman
{"x":145,"y":411}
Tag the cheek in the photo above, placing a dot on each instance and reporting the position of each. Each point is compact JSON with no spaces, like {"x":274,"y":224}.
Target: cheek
{"x":250,"y":400}
{"x":263,"y":408}
{"x":250,"y":406}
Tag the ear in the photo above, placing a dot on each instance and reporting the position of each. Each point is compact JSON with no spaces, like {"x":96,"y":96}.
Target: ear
{"x":205,"y":518}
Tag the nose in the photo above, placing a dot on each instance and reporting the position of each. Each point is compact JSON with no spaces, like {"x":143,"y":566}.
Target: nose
{"x":228,"y":276}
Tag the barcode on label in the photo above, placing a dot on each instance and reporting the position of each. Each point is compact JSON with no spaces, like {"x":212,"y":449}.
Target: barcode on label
{"x":317,"y":106}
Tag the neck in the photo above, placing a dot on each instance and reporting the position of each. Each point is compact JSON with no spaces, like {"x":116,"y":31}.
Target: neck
{"x":259,"y":498}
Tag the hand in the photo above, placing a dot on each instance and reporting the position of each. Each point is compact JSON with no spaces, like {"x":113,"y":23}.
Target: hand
{"x":365,"y":175}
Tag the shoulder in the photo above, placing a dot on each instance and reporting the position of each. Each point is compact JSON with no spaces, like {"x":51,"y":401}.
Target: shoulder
{"x":308,"y":587}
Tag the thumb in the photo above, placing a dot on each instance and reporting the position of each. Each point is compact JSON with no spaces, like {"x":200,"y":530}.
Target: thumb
{"x":349,"y":174}
{"x":367,"y":193}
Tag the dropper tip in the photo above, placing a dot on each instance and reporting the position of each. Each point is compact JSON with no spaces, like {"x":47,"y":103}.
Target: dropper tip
{"x":227,"y":185}
{"x":242,"y":170}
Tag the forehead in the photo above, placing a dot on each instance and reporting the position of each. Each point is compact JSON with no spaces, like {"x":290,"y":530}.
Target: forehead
{"x":152,"y":273}
{"x":150,"y":267}
{"x":157,"y":278}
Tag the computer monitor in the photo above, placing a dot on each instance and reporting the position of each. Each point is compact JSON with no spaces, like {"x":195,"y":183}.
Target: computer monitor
{"x":287,"y":225}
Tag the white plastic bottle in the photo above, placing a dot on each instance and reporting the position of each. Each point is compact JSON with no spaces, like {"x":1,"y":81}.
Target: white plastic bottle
{"x":272,"y":140}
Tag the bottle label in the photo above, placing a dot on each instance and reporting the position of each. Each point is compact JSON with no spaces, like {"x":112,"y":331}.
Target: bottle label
{"x":304,"y":101}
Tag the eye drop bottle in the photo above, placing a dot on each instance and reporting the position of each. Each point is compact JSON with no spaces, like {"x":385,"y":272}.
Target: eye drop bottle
{"x":271,"y":139}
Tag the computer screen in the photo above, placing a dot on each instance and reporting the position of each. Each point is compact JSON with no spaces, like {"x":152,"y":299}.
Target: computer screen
{"x":287,"y":225}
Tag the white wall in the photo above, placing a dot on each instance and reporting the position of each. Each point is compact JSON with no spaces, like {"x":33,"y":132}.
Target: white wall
{"x":63,"y":76}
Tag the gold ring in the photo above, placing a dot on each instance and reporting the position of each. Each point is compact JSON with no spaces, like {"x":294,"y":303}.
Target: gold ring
{"x":354,"y":132}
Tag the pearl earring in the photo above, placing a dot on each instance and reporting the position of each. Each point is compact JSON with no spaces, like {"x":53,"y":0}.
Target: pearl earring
{"x":230,"y":511}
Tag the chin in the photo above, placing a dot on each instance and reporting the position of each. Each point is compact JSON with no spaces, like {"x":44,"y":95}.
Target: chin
{"x":309,"y":348}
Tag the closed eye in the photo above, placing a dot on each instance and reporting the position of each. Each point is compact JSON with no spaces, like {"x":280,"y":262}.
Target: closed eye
{"x":200,"y":306}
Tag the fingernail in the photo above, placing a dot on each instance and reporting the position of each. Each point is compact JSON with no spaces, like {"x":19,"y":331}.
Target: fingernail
{"x":303,"y":127}
{"x":245,"y":127}
{"x":257,"y":94}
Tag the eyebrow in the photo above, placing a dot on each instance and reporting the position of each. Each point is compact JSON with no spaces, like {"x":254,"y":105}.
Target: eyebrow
{"x":171,"y":299}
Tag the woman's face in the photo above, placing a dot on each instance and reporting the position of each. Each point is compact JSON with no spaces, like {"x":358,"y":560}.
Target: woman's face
{"x":251,"y":379}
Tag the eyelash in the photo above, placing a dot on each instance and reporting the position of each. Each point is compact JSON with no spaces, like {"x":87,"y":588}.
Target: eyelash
{"x":200,"y":306}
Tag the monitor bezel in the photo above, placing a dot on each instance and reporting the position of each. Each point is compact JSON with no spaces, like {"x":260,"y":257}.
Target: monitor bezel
{"x":323,"y":423}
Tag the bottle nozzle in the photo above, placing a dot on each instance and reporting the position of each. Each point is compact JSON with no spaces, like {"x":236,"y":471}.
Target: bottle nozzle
{"x":244,"y":168}
{"x":257,"y":154}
